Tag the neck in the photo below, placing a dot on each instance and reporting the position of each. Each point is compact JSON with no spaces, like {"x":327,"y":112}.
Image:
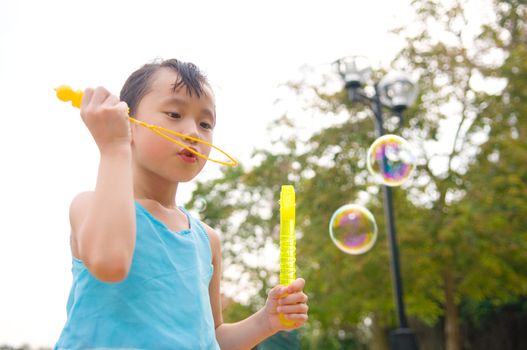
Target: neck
{"x":155,"y":189}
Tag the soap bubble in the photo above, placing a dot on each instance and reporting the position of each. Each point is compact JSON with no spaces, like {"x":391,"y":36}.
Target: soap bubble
{"x":390,"y":160}
{"x":353,"y":229}
{"x":200,"y":204}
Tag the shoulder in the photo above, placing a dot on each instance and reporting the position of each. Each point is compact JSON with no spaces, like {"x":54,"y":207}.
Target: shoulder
{"x":78,"y":206}
{"x":215,"y":240}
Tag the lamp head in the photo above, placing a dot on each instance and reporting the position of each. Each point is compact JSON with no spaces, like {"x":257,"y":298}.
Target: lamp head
{"x":354,"y":70}
{"x":397,"y":90}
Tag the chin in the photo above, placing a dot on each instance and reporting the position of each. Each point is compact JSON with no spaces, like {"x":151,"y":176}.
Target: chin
{"x":184,"y":177}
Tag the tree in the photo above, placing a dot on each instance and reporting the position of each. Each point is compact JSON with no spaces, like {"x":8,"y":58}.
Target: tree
{"x":481,"y":194}
{"x":469,"y":185}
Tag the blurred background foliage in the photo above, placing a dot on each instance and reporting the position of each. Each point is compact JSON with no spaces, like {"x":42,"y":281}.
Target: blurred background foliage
{"x":461,"y":219}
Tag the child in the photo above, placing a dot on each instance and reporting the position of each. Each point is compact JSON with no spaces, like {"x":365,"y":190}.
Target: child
{"x":146,"y":274}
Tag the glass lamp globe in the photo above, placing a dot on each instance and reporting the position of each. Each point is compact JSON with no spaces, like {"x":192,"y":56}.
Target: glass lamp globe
{"x":355,"y":70}
{"x":397,"y":90}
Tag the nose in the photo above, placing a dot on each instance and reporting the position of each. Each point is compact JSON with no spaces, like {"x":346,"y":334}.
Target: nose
{"x":189,"y":140}
{"x":190,"y":132}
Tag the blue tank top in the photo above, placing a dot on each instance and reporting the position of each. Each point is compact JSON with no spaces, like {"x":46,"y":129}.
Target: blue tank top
{"x":162,"y":304}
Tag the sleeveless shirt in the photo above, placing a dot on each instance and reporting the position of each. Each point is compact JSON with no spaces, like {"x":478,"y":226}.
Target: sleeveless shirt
{"x":163,"y":303}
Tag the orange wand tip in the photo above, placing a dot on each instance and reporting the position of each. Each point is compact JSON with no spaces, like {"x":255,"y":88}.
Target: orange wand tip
{"x":66,"y":93}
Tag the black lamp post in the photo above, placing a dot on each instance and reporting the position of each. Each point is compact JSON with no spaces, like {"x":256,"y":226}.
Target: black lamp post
{"x":394,"y":92}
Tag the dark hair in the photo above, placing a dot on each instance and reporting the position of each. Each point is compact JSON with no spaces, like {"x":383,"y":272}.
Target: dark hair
{"x":138,"y":83}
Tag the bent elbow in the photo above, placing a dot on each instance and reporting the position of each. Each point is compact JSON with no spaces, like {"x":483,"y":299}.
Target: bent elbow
{"x":113,"y":271}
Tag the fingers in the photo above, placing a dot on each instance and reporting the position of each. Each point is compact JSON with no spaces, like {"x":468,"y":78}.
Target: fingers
{"x":296,"y":286}
{"x":290,"y":302}
{"x":100,"y":94}
{"x":93,"y":98}
{"x":110,"y":101}
{"x":277,"y":292}
{"x":100,"y":101}
{"x":291,"y":293}
{"x":294,"y":303}
{"x":293,"y":309}
{"x":123,"y":108}
{"x":113,"y":102}
{"x":106,"y":117}
{"x":299,"y":319}
{"x":86,"y":98}
{"x":293,"y":299}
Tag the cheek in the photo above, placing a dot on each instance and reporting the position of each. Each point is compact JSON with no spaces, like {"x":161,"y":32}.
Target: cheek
{"x":152,"y":146}
{"x":206,"y":148}
{"x":157,"y":150}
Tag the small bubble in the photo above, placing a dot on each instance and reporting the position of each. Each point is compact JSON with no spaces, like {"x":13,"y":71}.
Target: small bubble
{"x":353,"y":229}
{"x":390,"y":160}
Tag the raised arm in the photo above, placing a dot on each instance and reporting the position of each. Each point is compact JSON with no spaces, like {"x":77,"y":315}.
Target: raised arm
{"x":103,"y":221}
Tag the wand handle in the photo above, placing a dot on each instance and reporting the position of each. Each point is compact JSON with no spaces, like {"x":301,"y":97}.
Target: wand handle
{"x":287,"y":240}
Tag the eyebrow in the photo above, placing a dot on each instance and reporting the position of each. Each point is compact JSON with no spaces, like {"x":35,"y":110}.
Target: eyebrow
{"x":181,"y":101}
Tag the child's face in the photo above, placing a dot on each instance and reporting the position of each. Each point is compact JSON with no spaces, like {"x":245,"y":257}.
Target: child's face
{"x":177,"y":111}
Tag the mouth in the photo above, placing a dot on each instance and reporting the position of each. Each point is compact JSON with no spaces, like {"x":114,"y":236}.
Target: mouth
{"x":188,"y":156}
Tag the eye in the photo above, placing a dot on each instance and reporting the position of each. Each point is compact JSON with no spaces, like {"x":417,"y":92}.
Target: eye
{"x":206,"y":125}
{"x":174,"y":115}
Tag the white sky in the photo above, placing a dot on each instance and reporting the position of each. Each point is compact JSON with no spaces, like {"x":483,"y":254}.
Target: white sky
{"x":247,"y":48}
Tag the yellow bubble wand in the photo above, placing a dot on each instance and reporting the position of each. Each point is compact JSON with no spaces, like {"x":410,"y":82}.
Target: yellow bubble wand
{"x":67,"y":94}
{"x":287,"y":241}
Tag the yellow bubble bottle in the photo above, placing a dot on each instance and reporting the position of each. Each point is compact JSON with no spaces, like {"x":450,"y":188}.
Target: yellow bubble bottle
{"x":287,"y":241}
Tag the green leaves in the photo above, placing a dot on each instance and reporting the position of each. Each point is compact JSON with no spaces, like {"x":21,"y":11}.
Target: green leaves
{"x":462,"y":215}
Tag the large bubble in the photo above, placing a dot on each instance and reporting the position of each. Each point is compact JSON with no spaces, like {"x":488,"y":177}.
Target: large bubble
{"x":353,"y":229}
{"x":390,"y":160}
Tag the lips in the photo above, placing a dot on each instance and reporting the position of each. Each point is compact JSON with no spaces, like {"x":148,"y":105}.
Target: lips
{"x":188,"y":156}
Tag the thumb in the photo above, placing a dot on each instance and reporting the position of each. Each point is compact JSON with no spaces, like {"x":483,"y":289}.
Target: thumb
{"x":296,"y":286}
{"x":123,"y":108}
{"x":276,"y":292}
